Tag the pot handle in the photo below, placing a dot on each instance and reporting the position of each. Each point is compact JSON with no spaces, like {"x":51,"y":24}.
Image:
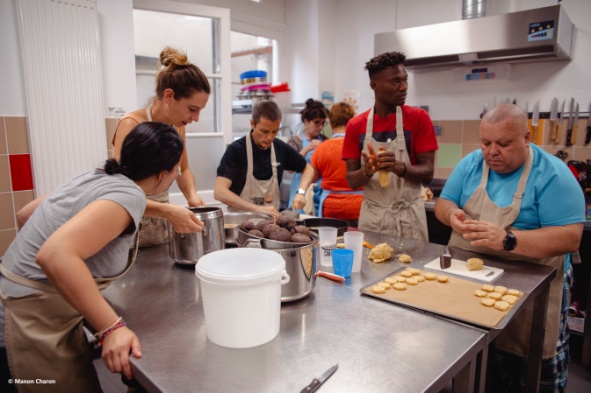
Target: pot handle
{"x":284,"y":277}
{"x":255,"y":243}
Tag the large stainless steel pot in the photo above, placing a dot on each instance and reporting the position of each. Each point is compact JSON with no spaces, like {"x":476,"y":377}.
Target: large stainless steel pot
{"x":300,"y":262}
{"x":233,"y":219}
{"x":187,"y":248}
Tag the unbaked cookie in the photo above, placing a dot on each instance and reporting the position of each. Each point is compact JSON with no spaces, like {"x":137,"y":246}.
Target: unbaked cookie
{"x":480,"y":293}
{"x":399,"y":286}
{"x":384,"y":285}
{"x":391,"y":280}
{"x":502,"y":305}
{"x":415,"y":272}
{"x":411,"y":281}
{"x":404,"y":258}
{"x":419,"y":278}
{"x":406,"y":274}
{"x":501,"y":290}
{"x":510,"y":299}
{"x":488,"y":288}
{"x":514,"y":292}
{"x":400,"y":278}
{"x":442,"y":278}
{"x":474,"y":264}
{"x":495,"y":295}
{"x":430,"y":276}
{"x":488,"y":302}
{"x":377,"y":289}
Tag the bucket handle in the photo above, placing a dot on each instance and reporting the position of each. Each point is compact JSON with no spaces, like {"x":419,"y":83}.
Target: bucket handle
{"x":284,"y":277}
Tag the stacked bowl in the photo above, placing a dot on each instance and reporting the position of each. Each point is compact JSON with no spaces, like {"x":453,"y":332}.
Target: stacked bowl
{"x":254,"y":86}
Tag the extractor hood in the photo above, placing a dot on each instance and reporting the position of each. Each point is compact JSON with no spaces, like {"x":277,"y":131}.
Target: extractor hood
{"x":534,"y":35}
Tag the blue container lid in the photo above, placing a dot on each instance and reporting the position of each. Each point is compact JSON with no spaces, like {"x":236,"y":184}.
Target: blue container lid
{"x":253,"y":74}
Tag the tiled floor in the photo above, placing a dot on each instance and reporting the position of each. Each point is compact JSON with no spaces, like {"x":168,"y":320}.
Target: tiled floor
{"x":579,"y":379}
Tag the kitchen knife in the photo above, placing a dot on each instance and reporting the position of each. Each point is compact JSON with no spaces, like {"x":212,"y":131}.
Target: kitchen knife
{"x":554,"y":119}
{"x":535,"y":117}
{"x":315,"y":384}
{"x":569,"y":128}
{"x":559,"y":130}
{"x":588,"y":136}
{"x":573,"y":138}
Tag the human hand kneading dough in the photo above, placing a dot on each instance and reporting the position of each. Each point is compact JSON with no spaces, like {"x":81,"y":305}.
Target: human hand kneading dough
{"x":484,"y":234}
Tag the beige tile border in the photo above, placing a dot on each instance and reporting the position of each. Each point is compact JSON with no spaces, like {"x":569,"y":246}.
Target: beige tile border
{"x":16,"y":133}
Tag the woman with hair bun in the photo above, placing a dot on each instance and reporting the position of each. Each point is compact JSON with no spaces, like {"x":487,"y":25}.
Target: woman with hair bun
{"x":182,"y":91}
{"x":72,"y":244}
{"x":314,"y":118}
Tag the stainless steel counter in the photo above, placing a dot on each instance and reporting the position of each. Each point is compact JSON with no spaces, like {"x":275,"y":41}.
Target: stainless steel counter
{"x":379,"y":347}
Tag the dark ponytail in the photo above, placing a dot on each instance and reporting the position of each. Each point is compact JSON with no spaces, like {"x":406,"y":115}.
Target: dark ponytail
{"x":147,"y":150}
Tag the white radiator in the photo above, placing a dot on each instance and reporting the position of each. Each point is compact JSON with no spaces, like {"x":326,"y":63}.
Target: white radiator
{"x":63,"y":83}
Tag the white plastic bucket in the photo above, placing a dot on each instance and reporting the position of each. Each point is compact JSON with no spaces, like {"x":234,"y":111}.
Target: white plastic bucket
{"x":241,"y":292}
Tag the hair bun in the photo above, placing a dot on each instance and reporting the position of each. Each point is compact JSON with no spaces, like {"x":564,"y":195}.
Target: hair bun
{"x":170,"y":57}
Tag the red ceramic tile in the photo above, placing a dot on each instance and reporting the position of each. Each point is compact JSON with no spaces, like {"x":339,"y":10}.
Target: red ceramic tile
{"x":20,"y":172}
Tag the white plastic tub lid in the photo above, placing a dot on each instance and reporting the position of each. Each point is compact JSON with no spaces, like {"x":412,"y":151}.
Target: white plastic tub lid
{"x":240,"y":266}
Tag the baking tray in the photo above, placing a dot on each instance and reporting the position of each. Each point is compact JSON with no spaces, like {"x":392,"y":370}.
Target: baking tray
{"x":454,"y":299}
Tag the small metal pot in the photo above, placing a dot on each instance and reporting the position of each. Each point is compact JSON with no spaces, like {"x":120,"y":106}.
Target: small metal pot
{"x":300,"y":262}
{"x":187,"y":248}
{"x":233,"y":219}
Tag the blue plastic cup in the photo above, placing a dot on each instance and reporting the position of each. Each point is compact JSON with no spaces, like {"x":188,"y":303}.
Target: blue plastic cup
{"x":342,"y":261}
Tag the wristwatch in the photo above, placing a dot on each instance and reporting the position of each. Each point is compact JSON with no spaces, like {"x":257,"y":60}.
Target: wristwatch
{"x":509,"y":242}
{"x":302,"y":191}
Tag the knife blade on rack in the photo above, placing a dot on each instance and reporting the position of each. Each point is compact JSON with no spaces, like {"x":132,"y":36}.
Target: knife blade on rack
{"x":573,"y":138}
{"x":588,"y":136}
{"x":569,"y":128}
{"x":316,"y":382}
{"x":554,"y":119}
{"x":559,"y":130}
{"x":535,"y":117}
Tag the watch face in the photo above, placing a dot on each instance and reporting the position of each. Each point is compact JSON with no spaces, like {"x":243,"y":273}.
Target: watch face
{"x":509,"y":242}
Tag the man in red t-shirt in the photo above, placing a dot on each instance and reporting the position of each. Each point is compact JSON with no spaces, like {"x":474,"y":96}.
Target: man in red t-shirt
{"x":398,"y":144}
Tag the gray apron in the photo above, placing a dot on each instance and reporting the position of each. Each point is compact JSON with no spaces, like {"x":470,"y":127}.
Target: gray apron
{"x":515,"y":338}
{"x":50,"y":346}
{"x":397,"y":209}
{"x":154,"y":230}
{"x":259,"y":192}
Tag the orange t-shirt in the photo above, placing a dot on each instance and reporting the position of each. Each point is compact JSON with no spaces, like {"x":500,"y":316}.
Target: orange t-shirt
{"x":327,"y":160}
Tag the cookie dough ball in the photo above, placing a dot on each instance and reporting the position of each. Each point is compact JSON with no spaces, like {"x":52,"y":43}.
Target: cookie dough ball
{"x":281,"y":234}
{"x":263,"y":223}
{"x":501,"y":290}
{"x":404,"y":258}
{"x":430,"y":276}
{"x":256,"y":232}
{"x":442,"y":278}
{"x":300,"y":238}
{"x":514,"y":292}
{"x":406,"y":274}
{"x":302,"y":229}
{"x":488,"y":288}
{"x":502,"y":305}
{"x":378,"y":290}
{"x":494,"y":295}
{"x":480,"y":293}
{"x":399,"y":286}
{"x":510,"y":299}
{"x":487,"y":302}
{"x":247,"y":226}
{"x":474,"y":264}
{"x":411,"y":281}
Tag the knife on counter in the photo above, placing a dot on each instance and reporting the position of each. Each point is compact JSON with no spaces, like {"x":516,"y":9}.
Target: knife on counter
{"x":554,"y":119}
{"x":535,"y":117}
{"x":588,"y":136}
{"x":573,"y":138}
{"x":569,"y":128}
{"x":316,"y":382}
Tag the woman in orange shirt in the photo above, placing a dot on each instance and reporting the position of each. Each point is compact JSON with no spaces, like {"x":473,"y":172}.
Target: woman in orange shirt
{"x":337,"y":200}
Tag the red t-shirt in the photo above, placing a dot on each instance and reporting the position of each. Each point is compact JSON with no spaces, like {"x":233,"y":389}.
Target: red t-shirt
{"x":327,"y":160}
{"x":417,"y":125}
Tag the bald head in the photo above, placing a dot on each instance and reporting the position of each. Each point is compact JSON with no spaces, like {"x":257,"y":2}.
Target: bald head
{"x":513,"y":117}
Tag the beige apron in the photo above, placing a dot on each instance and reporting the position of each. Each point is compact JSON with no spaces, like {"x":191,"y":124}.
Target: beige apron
{"x":259,"y":192}
{"x":515,"y":338}
{"x":154,"y":230}
{"x":50,"y":346}
{"x":396,"y":209}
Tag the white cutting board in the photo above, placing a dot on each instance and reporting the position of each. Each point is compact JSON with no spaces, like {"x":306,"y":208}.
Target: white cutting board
{"x":459,"y":268}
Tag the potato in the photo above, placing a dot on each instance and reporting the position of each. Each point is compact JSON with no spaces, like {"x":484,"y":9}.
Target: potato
{"x":286,"y":222}
{"x":270,"y":228}
{"x":263,"y":223}
{"x":300,"y":238}
{"x":302,"y":229}
{"x":280,"y":234}
{"x":256,"y":232}
{"x":247,"y":226}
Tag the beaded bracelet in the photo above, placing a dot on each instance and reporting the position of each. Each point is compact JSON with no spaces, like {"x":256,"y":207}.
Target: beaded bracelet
{"x":101,"y":337}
